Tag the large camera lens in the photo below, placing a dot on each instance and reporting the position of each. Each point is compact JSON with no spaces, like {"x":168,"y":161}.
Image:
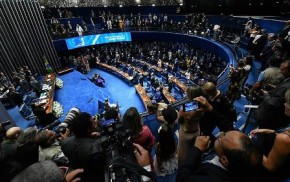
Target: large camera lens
{"x":72,"y":114}
{"x":6,"y":123}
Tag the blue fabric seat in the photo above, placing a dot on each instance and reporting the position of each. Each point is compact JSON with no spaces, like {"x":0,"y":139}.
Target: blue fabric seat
{"x":26,"y":112}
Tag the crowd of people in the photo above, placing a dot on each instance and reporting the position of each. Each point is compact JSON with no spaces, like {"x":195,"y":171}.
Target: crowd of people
{"x":170,"y":57}
{"x":13,"y":90}
{"x":184,"y":144}
{"x":107,"y":21}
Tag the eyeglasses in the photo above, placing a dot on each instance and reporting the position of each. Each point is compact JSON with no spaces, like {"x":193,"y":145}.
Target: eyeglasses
{"x":220,"y":142}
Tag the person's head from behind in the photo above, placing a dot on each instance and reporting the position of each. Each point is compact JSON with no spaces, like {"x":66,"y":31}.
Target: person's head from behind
{"x":40,"y":171}
{"x":45,"y":138}
{"x":209,"y":89}
{"x":194,"y":91}
{"x":112,"y":113}
{"x":237,"y":152}
{"x":132,"y":121}
{"x":13,"y":133}
{"x":170,"y":115}
{"x":287,"y":103}
{"x":83,"y":125}
{"x":165,"y":147}
{"x":27,"y":136}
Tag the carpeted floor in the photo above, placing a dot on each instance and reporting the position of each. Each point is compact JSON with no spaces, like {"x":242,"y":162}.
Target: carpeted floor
{"x":78,"y":91}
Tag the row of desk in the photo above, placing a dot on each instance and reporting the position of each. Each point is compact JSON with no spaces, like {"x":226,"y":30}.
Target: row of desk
{"x":140,"y":90}
{"x":174,"y":79}
{"x":46,"y":98}
{"x":116,"y":70}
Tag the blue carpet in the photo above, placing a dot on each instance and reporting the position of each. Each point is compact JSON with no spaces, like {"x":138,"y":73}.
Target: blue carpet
{"x":79,"y":91}
{"x":118,"y":90}
{"x":18,"y":119}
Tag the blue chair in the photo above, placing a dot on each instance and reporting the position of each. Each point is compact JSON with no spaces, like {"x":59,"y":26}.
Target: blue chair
{"x":26,"y":112}
{"x":101,"y":107}
{"x":20,"y":90}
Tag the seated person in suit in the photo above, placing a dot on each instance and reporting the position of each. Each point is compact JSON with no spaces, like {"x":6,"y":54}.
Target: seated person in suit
{"x":158,"y":95}
{"x":98,"y":80}
{"x":108,"y":105}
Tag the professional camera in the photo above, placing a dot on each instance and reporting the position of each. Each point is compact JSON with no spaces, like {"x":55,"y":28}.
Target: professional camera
{"x":51,"y":125}
{"x":119,"y":151}
{"x":6,"y":123}
{"x":73,"y":112}
{"x":61,"y":128}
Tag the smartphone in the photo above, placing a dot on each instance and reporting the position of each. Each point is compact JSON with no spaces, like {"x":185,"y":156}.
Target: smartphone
{"x":190,"y":106}
{"x":108,"y":122}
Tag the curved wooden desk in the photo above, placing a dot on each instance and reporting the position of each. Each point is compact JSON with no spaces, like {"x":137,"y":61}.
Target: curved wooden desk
{"x":143,"y":95}
{"x":116,"y":70}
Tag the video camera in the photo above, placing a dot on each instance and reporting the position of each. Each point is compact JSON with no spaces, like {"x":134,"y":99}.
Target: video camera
{"x":121,"y":163}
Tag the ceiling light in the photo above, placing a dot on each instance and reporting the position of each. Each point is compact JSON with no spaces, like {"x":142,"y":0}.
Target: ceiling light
{"x":153,"y":4}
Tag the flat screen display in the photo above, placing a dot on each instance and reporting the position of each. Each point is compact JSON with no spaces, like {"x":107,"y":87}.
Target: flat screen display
{"x":88,"y":40}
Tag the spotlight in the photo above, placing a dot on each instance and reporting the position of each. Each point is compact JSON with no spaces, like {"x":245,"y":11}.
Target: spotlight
{"x":181,"y":4}
{"x":261,"y":4}
{"x":153,"y":4}
{"x":250,"y":4}
{"x":120,"y":5}
{"x":138,"y":1}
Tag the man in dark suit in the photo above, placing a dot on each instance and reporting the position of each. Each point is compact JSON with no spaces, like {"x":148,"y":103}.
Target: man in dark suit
{"x":236,"y":159}
{"x":270,"y":113}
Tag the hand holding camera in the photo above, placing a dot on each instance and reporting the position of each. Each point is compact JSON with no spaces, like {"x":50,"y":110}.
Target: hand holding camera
{"x":204,"y":104}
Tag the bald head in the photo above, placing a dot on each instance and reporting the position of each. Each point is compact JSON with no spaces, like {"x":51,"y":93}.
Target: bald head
{"x":13,"y":133}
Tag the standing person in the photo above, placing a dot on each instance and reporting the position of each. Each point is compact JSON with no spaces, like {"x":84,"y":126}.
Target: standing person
{"x":142,"y":135}
{"x":219,"y":101}
{"x":165,"y":161}
{"x":83,"y":148}
{"x":79,"y":30}
{"x":270,"y":113}
{"x":35,"y":85}
{"x":189,"y":124}
{"x":236,"y":79}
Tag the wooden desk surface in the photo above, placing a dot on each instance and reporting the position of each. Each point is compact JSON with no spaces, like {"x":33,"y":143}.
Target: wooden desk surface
{"x":168,"y":96}
{"x":179,"y":83}
{"x":143,"y":95}
{"x":152,"y":66}
{"x":112,"y":68}
{"x":49,"y":104}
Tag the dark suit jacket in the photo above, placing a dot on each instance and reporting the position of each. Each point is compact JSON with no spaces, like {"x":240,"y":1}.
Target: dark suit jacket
{"x":270,"y":113}
{"x":194,"y":170}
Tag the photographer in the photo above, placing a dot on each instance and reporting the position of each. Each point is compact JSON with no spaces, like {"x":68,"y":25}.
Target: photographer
{"x":49,"y":147}
{"x":83,"y":149}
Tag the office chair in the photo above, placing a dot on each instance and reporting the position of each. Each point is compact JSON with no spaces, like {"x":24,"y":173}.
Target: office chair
{"x":26,"y":112}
